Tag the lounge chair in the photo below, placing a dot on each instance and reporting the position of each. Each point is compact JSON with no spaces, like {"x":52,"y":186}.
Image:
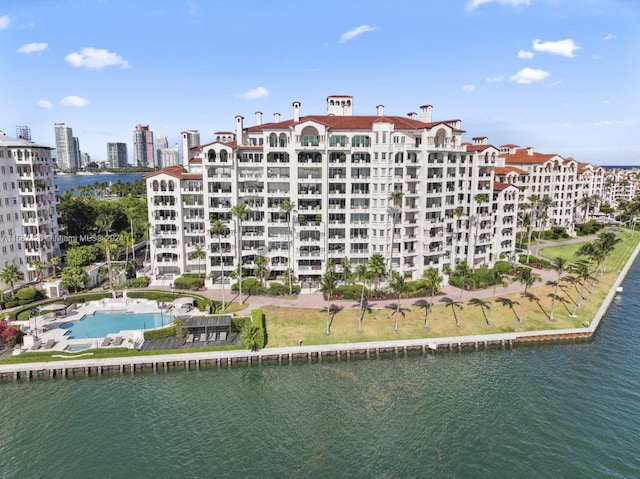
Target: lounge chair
{"x":190,"y":338}
{"x":223,"y":335}
{"x":118,"y":341}
{"x":49,"y":344}
{"x":36,"y":345}
{"x":106,"y":342}
{"x":212,"y":336}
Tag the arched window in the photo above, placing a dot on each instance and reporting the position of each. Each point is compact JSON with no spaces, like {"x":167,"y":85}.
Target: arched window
{"x":273,"y":140}
{"x":224,"y":156}
{"x":283,"y":140}
{"x":155,"y":185}
{"x":171,"y":185}
{"x":211,"y":155}
{"x":163,"y":185}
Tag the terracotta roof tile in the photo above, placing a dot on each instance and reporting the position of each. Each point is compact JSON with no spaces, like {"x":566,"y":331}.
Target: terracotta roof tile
{"x":505,"y":170}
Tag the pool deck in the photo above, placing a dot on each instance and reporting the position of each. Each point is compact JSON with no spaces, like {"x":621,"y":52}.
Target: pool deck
{"x":48,"y":326}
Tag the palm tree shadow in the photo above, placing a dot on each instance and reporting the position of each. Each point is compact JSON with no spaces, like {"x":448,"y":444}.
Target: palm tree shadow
{"x":484,"y":305}
{"x":394,"y":307}
{"x":533,"y":297}
{"x":508,"y":302}
{"x":564,"y":290}
{"x":422,"y":303}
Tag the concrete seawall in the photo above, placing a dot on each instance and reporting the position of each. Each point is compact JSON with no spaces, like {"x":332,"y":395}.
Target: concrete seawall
{"x":315,"y":353}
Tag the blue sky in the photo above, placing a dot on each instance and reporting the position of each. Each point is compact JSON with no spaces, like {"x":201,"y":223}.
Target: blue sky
{"x":562,"y":76}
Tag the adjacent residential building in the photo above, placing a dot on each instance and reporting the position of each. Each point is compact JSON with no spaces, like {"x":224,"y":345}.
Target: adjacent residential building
{"x":28,"y":213}
{"x":117,"y":155}
{"x":143,"y":147}
{"x":190,"y":139}
{"x":65,"y":148}
{"x":405,"y":187}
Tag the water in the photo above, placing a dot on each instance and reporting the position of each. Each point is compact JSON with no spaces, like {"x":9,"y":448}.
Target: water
{"x":99,"y":324}
{"x":68,"y":182}
{"x":549,"y":411}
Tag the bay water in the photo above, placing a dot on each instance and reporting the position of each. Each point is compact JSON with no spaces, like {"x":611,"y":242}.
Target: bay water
{"x":568,"y":410}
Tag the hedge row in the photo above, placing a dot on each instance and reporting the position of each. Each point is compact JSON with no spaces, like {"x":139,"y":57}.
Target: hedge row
{"x":200,"y":302}
{"x":257,"y":318}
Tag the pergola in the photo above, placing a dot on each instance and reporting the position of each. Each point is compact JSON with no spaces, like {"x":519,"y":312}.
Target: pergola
{"x":205,"y":324}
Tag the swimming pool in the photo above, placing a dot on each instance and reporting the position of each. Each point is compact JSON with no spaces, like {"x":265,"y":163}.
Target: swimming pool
{"x":74,"y":348}
{"x":101,"y":323}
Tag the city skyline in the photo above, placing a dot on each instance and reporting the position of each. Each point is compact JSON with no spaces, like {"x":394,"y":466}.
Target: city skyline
{"x":554,"y":75}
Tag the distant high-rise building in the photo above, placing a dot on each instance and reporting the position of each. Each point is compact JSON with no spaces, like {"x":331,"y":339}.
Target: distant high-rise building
{"x":190,"y":138}
{"x":170,"y":156}
{"x":161,"y":144}
{"x":65,"y":149}
{"x":77,"y":155}
{"x":143,"y":154}
{"x":117,"y":155}
{"x":86,"y":159}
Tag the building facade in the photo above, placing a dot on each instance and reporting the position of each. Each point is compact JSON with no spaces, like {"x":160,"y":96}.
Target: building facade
{"x":405,"y":187}
{"x":117,"y":155}
{"x":65,"y":148}
{"x":190,"y":139}
{"x":143,"y":147}
{"x":28,"y":212}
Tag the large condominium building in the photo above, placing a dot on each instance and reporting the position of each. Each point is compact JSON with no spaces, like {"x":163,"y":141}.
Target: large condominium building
{"x":77,"y":154}
{"x":562,"y":183}
{"x":28,"y":213}
{"x":143,"y":148}
{"x":168,"y":156}
{"x":405,"y":187}
{"x":161,"y":143}
{"x":190,"y":139}
{"x":117,"y":155}
{"x":65,"y":148}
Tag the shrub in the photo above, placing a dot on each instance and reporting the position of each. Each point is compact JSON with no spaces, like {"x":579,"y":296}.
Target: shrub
{"x":189,"y":281}
{"x":140,"y":282}
{"x":351,"y":291}
{"x":27,"y":293}
{"x":257,"y":318}
{"x":277,"y":289}
{"x":250,"y":286}
{"x":588,"y":228}
{"x":503,"y":267}
{"x":534,"y":262}
{"x":167,"y":332}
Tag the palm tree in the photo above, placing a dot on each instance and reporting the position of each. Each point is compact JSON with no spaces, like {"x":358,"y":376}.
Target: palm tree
{"x":560,"y":265}
{"x":125,"y":240}
{"x":480,"y":198}
{"x":606,"y":243}
{"x":39,"y":266}
{"x":497,"y":278}
{"x":217,"y":228}
{"x":240,"y":212}
{"x":525,"y":221}
{"x":287,"y":208}
{"x":396,"y":198}
{"x":328,"y":286}
{"x":261,"y":271}
{"x":104,"y":223}
{"x":545,"y":203}
{"x":377,"y":269}
{"x":582,"y":270}
{"x":433,"y":280}
{"x":364,"y":276}
{"x":10,"y":275}
{"x":525,"y":277}
{"x":55,"y":262}
{"x":198,"y":253}
{"x":347,"y":275}
{"x":533,"y":199}
{"x":400,"y":287}
{"x":465,"y":278}
{"x":587,"y":203}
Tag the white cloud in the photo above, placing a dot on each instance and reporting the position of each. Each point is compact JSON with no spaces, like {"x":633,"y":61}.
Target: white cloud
{"x":525,"y":55}
{"x":33,"y":48}
{"x":468,"y":88}
{"x":75,"y":101}
{"x":255,"y":93}
{"x":346,"y":36}
{"x":95,"y":59}
{"x":566,"y":48}
{"x":44,"y":104}
{"x":4,"y":22}
{"x":609,"y":36}
{"x":495,"y":79}
{"x":607,"y":123}
{"x":529,"y":75}
{"x":473,"y":4}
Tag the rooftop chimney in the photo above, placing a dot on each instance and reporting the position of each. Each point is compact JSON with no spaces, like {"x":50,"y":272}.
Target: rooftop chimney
{"x":380,"y":110}
{"x":425,"y":113}
{"x":258,"y":118}
{"x":296,"y":111}
{"x":239,"y":128}
{"x":276,"y":117}
{"x":413,"y":115}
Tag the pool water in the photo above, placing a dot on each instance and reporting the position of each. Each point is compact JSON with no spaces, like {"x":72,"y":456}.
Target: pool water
{"x":78,"y":347}
{"x":99,"y":324}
